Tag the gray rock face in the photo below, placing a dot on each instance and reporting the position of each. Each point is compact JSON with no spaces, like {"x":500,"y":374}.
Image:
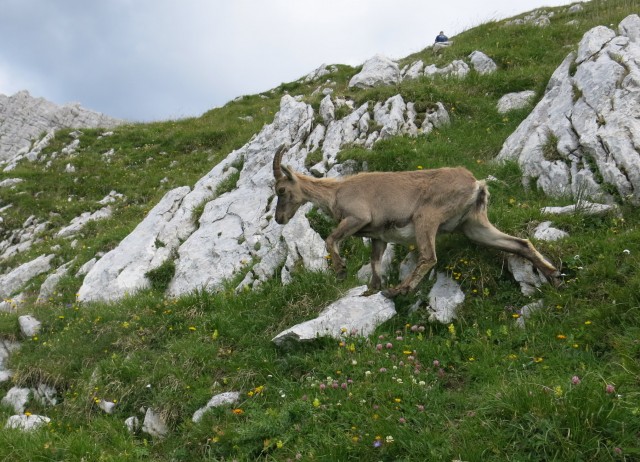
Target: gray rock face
{"x":122,"y":271}
{"x":236,"y":230}
{"x":379,"y":70}
{"x":24,"y":118}
{"x":15,"y":279}
{"x":353,"y":313}
{"x":586,"y":129}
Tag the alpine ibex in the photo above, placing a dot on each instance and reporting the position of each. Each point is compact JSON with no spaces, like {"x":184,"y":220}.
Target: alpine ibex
{"x":400,"y":207}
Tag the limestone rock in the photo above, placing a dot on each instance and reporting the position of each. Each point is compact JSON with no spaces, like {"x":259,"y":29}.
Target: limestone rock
{"x":10,"y":182}
{"x":132,"y":424}
{"x":29,"y":326}
{"x":378,"y":70}
{"x":538,"y":18}
{"x":586,"y":128}
{"x":77,"y":223}
{"x":352,"y":313}
{"x":444,"y":298}
{"x":514,"y":101}
{"x":320,"y":72}
{"x":236,"y":230}
{"x":6,"y":348}
{"x":17,"y":398}
{"x":482,"y":63}
{"x":48,"y":287}
{"x":545,"y":232}
{"x":107,"y":406}
{"x":456,"y":69}
{"x":584,"y":207}
{"x":45,"y":395}
{"x":25,"y":118}
{"x":221,"y":399}
{"x":123,"y":269}
{"x":154,"y":424}
{"x":13,"y":280}
{"x":524,"y":272}
{"x":526,"y":312}
{"x":21,"y":239}
{"x":414,"y":70}
{"x":26,"y":422}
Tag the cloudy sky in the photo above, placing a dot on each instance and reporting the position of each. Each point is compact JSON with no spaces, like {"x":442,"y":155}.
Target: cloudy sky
{"x":146,"y":60}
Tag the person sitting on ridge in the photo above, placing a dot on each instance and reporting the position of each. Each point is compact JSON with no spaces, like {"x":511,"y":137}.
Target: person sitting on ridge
{"x":441,"y":38}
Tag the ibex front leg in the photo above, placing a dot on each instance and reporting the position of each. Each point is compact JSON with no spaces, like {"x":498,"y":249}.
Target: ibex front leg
{"x":347,"y":227}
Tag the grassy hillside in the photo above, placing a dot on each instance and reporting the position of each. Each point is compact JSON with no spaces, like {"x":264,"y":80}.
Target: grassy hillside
{"x":565,"y":388}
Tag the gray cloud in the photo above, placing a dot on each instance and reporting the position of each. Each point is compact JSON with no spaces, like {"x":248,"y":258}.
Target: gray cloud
{"x":159,"y":59}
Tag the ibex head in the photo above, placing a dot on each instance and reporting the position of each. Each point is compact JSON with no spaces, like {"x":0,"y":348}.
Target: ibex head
{"x":290,"y":196}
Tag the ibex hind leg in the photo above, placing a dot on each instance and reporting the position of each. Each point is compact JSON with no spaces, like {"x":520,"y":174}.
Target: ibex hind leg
{"x":480,"y":230}
{"x":426,"y":243}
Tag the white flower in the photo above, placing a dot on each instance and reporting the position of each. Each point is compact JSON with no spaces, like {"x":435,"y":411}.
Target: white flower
{"x":626,"y":251}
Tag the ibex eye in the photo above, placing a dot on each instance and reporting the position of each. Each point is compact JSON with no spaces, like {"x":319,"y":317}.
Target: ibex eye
{"x":281,"y":191}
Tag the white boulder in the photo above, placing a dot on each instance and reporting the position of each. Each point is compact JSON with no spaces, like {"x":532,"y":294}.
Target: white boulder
{"x":378,"y":70}
{"x":444,"y":298}
{"x":514,"y":101}
{"x":482,"y":63}
{"x":352,"y":313}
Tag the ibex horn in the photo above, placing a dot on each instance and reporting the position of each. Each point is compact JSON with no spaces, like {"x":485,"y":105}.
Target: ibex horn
{"x":277,"y":171}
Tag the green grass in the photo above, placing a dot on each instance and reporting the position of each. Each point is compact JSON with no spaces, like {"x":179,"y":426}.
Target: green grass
{"x":480,"y":389}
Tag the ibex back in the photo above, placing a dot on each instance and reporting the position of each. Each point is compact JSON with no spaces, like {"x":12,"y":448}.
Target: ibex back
{"x":400,"y":207}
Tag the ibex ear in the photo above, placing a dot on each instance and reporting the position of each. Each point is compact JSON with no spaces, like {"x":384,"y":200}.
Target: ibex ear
{"x":288,"y":173}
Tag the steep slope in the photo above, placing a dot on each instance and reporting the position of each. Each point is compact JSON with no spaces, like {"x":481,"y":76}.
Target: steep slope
{"x":139,"y":375}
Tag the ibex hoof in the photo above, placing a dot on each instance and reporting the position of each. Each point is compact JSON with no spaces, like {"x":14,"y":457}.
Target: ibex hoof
{"x":390,"y":293}
{"x":370,"y":292}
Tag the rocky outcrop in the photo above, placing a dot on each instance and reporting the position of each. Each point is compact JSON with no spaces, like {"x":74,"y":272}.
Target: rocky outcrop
{"x":24,"y":118}
{"x":585,"y":132}
{"x":236,"y":231}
